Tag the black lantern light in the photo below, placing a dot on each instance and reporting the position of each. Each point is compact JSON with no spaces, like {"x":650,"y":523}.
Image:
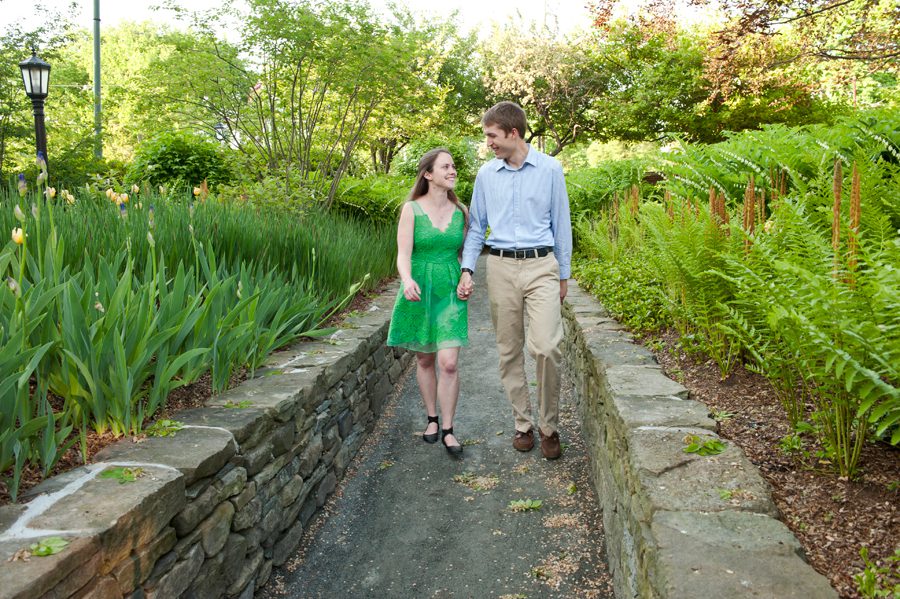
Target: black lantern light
{"x":220,"y":131}
{"x":36,"y":76}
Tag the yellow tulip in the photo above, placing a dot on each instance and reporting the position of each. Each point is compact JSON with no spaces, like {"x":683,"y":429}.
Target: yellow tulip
{"x":123,"y":199}
{"x":110,"y":193}
{"x":50,"y":192}
{"x":135,"y":189}
{"x":196,"y":191}
{"x":18,"y":235}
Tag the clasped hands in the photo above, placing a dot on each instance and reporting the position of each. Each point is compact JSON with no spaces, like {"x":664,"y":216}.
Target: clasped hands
{"x":465,"y":287}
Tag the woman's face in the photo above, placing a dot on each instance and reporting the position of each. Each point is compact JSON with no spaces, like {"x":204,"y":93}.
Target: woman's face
{"x":443,"y":173}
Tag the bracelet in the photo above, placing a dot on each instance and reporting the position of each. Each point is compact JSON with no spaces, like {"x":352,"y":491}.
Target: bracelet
{"x":468,"y":270}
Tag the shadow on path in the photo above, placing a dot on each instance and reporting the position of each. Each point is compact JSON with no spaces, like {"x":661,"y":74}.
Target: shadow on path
{"x":410,"y":521}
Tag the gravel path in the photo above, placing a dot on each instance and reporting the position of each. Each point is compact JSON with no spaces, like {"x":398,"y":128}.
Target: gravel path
{"x":408,"y":520}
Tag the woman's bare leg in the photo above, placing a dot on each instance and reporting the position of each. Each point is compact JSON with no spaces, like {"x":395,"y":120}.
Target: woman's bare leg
{"x":426,"y":376}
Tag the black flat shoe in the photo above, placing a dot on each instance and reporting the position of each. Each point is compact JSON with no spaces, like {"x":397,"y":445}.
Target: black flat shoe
{"x":454,"y":450}
{"x":433,"y":437}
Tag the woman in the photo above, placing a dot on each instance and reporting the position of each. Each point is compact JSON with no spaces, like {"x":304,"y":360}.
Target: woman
{"x":430,"y":316}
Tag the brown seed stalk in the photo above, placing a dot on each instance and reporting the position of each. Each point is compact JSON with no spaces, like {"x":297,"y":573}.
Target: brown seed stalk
{"x":854,"y":224}
{"x":836,"y":209}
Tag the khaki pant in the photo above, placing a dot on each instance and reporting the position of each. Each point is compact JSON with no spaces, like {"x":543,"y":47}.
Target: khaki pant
{"x":520,"y":289}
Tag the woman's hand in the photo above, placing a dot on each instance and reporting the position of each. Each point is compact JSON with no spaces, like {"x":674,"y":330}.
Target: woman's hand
{"x":411,"y":290}
{"x":465,"y":287}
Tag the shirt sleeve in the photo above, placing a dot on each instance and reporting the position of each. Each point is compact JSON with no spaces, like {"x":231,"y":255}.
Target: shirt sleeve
{"x":477,"y":226}
{"x":561,"y":224}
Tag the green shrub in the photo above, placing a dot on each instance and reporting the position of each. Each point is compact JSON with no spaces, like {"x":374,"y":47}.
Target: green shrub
{"x":627,"y":288}
{"x":592,"y":189}
{"x":375,"y":199}
{"x":178,"y":158}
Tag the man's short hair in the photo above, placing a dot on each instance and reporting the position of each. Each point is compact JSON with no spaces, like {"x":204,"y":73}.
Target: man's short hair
{"x":507,"y":116}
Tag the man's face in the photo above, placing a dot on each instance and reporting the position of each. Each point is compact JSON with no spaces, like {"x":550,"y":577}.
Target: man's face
{"x":500,"y":142}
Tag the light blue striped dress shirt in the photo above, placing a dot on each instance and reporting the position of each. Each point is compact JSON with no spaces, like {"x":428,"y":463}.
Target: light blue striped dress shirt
{"x":526,"y":207}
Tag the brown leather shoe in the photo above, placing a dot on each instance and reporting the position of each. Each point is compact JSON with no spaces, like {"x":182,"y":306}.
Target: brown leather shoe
{"x":550,"y":445}
{"x":524,"y":441}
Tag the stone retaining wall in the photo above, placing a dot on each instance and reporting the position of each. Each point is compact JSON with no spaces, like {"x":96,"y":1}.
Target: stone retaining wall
{"x":669,"y":531}
{"x":223,"y":500}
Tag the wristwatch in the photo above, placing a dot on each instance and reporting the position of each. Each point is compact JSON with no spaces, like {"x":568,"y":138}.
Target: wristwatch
{"x":468,"y":270}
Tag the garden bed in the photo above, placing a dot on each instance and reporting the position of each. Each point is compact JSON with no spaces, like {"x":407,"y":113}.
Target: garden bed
{"x":190,"y":396}
{"x":832,"y":518}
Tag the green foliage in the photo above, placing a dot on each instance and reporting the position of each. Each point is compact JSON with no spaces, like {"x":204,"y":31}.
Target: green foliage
{"x":164,"y":428}
{"x":593,"y":189}
{"x":627,"y":289}
{"x":376,"y":199}
{"x":880,"y":578}
{"x":525,"y":505}
{"x":122,"y":474}
{"x":178,"y":158}
{"x":703,"y":447}
{"x":48,"y":546}
{"x":821,"y":325}
{"x":659,"y":84}
{"x":112,"y":307}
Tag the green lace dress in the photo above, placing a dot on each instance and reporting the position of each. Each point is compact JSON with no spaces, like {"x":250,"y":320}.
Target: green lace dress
{"x":439,"y":319}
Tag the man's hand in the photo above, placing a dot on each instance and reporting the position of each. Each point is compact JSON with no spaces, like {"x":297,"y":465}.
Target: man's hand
{"x":465,"y":287}
{"x":563,"y":289}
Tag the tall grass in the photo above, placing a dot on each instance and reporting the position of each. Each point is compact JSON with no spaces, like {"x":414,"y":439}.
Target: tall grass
{"x":111,"y":305}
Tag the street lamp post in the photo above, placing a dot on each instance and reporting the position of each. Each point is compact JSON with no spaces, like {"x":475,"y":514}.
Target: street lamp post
{"x":220,"y":131}
{"x":36,"y":76}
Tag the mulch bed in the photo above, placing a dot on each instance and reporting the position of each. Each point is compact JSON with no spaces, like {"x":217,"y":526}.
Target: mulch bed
{"x":832,"y":517}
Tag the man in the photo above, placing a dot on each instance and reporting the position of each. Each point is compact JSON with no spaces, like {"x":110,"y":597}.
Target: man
{"x":521,"y":195}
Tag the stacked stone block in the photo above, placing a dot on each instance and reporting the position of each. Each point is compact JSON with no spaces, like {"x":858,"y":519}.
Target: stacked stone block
{"x":677,"y":525}
{"x":225,"y":499}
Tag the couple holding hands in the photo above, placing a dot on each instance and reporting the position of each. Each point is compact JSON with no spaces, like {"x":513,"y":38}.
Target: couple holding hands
{"x":521,"y":196}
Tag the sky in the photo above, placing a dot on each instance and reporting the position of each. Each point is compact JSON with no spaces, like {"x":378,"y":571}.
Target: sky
{"x":568,"y":14}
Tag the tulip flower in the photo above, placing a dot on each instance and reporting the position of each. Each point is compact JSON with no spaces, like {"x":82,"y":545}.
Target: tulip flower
{"x":23,"y":186}
{"x":135,"y":189}
{"x":150,"y":240}
{"x":41,"y":162}
{"x":196,"y":191}
{"x":162,"y":190}
{"x":42,"y":176}
{"x":123,"y":198}
{"x":20,"y":216}
{"x":110,"y":193}
{"x":68,"y":197}
{"x":50,"y":192}
{"x":18,"y":235}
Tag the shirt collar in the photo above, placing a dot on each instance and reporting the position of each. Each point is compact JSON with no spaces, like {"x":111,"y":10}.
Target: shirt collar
{"x":530,"y":158}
